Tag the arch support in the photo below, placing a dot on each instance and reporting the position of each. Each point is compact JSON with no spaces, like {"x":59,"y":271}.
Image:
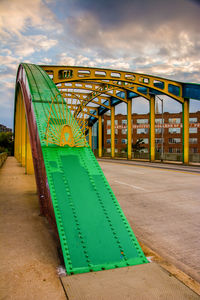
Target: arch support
{"x":17,"y":129}
{"x":90,"y":136}
{"x":152,"y":128}
{"x":112,"y":131}
{"x":23,"y":133}
{"x":100,"y":136}
{"x":129,"y":129}
{"x":186,"y":131}
{"x":29,"y":158}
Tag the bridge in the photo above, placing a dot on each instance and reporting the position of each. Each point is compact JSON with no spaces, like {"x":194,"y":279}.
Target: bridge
{"x":73,"y":193}
{"x":55,"y":109}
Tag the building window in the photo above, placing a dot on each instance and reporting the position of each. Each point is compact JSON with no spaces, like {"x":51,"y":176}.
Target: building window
{"x":174,"y":140}
{"x":193,"y":130}
{"x":145,"y":141}
{"x":116,"y":131}
{"x":124,"y":141}
{"x":193,"y":120}
{"x":194,"y":150}
{"x":116,"y":150}
{"x":124,"y":122}
{"x":174,"y":150}
{"x":108,"y":150}
{"x":174,"y":130}
{"x":108,"y":122}
{"x":158,"y":141}
{"x":193,"y":140}
{"x":158,"y":130}
{"x":142,"y":121}
{"x":108,"y":131}
{"x":174,"y":120}
{"x":108,"y":141}
{"x":142,"y":131}
{"x":158,"y":121}
{"x":124,"y":131}
{"x":116,"y":141}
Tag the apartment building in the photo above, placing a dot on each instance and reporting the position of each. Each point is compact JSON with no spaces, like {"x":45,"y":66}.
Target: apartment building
{"x":171,"y":139}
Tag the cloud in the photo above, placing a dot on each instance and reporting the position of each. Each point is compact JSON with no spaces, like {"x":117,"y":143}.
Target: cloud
{"x":8,"y":61}
{"x":30,"y":44}
{"x":154,"y":37}
{"x":111,"y":13}
{"x":95,"y":61}
{"x":17,"y":16}
{"x":160,"y":37}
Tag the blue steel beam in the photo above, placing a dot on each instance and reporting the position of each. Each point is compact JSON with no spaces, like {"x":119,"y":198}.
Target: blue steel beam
{"x":190,"y":90}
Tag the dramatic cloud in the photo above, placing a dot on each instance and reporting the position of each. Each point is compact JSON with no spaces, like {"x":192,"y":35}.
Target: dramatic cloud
{"x":18,"y":16}
{"x":155,"y":37}
{"x":158,"y":37}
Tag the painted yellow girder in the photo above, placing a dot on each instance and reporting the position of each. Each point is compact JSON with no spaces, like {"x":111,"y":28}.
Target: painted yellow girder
{"x":89,"y":86}
{"x":87,"y":110}
{"x":69,"y":74}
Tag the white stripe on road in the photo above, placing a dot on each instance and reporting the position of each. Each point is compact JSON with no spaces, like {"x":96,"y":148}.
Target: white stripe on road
{"x":133,"y":186}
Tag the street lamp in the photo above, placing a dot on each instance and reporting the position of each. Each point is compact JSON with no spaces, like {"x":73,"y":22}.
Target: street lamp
{"x":162,"y":131}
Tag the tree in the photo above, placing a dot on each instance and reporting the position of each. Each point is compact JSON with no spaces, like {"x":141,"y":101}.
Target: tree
{"x":6,"y":142}
{"x":138,"y":146}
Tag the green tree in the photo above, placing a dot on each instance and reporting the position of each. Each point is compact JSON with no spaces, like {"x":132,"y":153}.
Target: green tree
{"x":138,"y":146}
{"x":6,"y":142}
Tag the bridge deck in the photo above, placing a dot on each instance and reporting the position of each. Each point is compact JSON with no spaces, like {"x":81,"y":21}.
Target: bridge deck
{"x":161,"y":202}
{"x":28,"y":256}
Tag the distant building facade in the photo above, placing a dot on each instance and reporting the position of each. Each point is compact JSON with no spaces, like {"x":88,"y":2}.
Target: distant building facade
{"x":172,"y":132}
{"x":3,"y":128}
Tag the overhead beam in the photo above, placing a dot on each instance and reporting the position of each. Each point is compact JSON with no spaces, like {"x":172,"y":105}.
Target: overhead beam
{"x":61,"y":74}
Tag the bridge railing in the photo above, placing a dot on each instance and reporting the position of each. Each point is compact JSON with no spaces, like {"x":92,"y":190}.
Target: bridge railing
{"x":3,"y":157}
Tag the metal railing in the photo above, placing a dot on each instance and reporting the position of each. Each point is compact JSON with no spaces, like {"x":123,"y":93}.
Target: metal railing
{"x":174,"y":157}
{"x":3,"y":157}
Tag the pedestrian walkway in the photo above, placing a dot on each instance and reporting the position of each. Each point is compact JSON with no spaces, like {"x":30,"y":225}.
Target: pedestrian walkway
{"x":28,"y":254}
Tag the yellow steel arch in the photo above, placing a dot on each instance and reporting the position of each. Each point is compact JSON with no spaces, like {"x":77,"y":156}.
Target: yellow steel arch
{"x":69,"y":73}
{"x":94,"y":86}
{"x":23,"y":151}
{"x":97,"y":91}
{"x":68,"y":77}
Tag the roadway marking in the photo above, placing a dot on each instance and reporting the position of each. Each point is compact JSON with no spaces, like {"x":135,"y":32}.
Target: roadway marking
{"x":133,"y":186}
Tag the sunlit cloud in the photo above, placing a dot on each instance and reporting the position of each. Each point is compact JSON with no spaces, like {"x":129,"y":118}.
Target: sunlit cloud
{"x":17,"y":16}
{"x":153,"y":37}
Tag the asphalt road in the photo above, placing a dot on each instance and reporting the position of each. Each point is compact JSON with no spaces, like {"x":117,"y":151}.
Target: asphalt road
{"x":161,"y":203}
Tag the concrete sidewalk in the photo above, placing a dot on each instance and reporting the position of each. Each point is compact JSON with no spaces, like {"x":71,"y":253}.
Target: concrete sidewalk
{"x":28,"y":254}
{"x":142,"y":282}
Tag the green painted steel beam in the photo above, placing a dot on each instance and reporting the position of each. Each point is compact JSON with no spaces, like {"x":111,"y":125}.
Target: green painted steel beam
{"x":93,"y":231}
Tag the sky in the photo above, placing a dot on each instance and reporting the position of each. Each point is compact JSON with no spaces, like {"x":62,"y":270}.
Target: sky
{"x":148,"y":36}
